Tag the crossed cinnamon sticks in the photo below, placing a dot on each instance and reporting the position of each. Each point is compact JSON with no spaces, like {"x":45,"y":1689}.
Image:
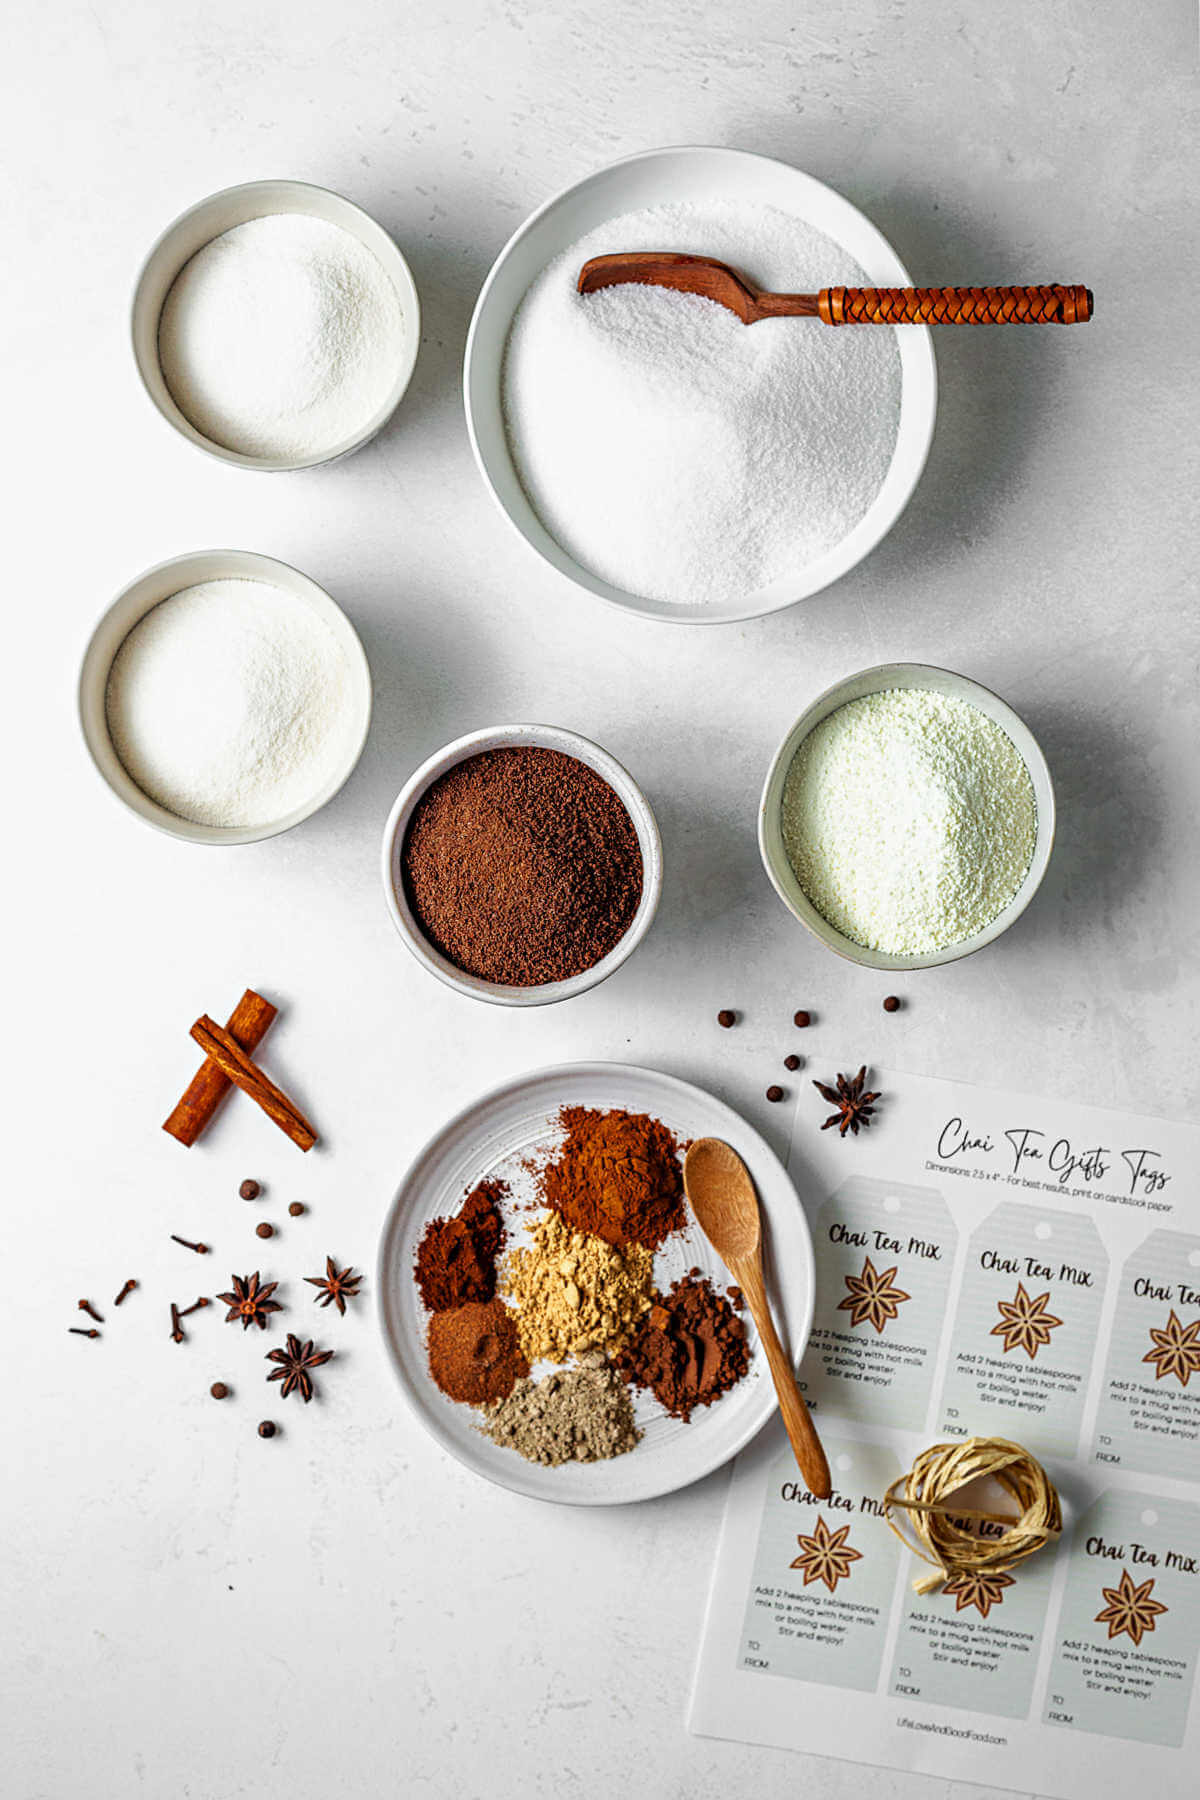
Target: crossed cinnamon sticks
{"x":227,"y":1063}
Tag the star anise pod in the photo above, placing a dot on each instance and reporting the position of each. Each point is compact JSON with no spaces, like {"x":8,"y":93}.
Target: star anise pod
{"x":854,"y":1107}
{"x":294,"y":1365}
{"x":250,"y":1301}
{"x":336,"y":1285}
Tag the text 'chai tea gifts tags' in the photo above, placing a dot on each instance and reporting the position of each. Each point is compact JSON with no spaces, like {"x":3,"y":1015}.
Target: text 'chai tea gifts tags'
{"x":884,"y":1254}
{"x":1149,"y":1414}
{"x":1024,"y":1335}
{"x":1128,"y":1629}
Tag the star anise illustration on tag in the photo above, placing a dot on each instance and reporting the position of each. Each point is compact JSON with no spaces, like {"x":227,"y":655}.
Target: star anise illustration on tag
{"x":854,"y":1107}
{"x":294,"y":1365}
{"x":337,"y":1285}
{"x":827,"y":1555}
{"x":1024,"y":1322}
{"x":873,"y":1296}
{"x":1176,"y":1350}
{"x":250,"y":1301}
{"x":1130,"y":1608}
{"x":979,"y":1589}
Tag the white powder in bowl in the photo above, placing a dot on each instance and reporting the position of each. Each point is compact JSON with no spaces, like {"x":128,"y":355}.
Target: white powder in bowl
{"x":909,"y":819}
{"x":227,"y":704}
{"x":281,"y":338}
{"x":674,"y":451}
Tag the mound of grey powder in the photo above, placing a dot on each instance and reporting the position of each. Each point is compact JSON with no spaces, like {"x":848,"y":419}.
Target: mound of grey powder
{"x":674,"y":451}
{"x":576,"y":1415}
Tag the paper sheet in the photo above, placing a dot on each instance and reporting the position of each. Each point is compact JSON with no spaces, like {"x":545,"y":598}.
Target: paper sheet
{"x":987,"y":1264}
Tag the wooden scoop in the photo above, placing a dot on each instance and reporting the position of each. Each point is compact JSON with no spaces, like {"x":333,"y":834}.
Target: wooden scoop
{"x":718,"y":1185}
{"x":1053,"y":305}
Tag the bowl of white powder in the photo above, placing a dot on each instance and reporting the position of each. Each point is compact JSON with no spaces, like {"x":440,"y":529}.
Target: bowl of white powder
{"x":276,"y":325}
{"x":655,"y":450}
{"x":224,"y":697}
{"x":908,"y":817}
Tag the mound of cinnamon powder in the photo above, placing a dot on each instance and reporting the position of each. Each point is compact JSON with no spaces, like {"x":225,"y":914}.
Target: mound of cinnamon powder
{"x":474,"y":1352}
{"x":617,"y":1177}
{"x":522,"y":866}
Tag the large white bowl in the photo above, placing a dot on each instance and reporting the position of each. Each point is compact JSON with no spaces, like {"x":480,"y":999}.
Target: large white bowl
{"x":221,"y":212}
{"x":666,"y":177}
{"x":507,"y":737}
{"x":875,"y":681}
{"x":497,"y":1134}
{"x":134,"y":603}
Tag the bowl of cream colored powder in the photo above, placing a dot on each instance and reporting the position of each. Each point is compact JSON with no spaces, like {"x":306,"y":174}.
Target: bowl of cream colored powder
{"x":224,"y":697}
{"x":276,"y":325}
{"x":655,"y":450}
{"x":908,"y":817}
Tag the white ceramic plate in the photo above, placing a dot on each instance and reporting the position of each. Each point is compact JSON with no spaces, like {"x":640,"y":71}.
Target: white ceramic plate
{"x":491,"y":1138}
{"x":661,"y":178}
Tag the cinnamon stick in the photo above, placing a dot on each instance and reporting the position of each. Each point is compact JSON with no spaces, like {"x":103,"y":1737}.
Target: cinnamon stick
{"x":248,"y":1023}
{"x":233,"y":1062}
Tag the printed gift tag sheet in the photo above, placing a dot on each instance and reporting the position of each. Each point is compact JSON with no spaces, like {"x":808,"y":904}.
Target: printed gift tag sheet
{"x":988,"y":1264}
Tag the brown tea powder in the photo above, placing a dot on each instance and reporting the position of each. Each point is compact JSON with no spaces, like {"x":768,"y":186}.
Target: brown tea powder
{"x":522,"y":866}
{"x":575,"y":1292}
{"x":574,"y":1415}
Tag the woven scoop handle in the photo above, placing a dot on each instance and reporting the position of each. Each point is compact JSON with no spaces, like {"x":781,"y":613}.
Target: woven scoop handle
{"x":1053,"y":305}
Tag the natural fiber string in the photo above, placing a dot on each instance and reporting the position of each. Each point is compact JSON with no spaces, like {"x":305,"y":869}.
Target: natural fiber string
{"x":939,"y":1532}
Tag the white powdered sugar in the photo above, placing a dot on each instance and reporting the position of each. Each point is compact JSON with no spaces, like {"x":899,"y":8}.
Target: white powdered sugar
{"x":674,"y":451}
{"x":227,"y":704}
{"x":281,"y":338}
{"x":909,"y":818}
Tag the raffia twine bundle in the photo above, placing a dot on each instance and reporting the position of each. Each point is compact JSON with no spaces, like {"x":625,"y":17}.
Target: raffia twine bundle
{"x":941,"y":1533}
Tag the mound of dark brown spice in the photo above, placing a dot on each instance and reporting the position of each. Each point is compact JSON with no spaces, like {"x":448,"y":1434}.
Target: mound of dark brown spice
{"x":456,"y":1258}
{"x":688,"y":1350}
{"x":522,"y":866}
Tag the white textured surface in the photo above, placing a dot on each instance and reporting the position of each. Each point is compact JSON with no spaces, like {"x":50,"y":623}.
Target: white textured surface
{"x":188,"y":1611}
{"x":674,"y":451}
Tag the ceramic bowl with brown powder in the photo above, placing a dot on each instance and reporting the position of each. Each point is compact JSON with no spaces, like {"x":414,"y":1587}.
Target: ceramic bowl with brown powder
{"x":522,"y":865}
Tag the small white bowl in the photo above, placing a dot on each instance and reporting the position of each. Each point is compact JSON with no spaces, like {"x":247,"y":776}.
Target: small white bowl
{"x":507,"y":737}
{"x":665,"y":177}
{"x":874,"y":681}
{"x":221,"y":212}
{"x":134,"y":603}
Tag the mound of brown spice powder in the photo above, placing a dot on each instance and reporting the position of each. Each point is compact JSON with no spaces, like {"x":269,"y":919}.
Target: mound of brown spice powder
{"x":522,"y":866}
{"x":474,"y":1352}
{"x":456,"y":1258}
{"x":617,"y":1177}
{"x":689,"y":1349}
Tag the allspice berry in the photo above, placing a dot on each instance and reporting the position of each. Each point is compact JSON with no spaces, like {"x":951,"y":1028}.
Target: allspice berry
{"x":219,"y":1391}
{"x":891,"y":1004}
{"x":801,"y":1019}
{"x":726,"y":1018}
{"x":264,"y":1230}
{"x":267,"y":1428}
{"x":250,"y":1190}
{"x":774,"y":1093}
{"x":296,"y":1208}
{"x":791,"y":1062}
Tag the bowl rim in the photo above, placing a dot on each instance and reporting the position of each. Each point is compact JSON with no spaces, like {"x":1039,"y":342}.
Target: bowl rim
{"x":353,"y":218}
{"x":877,"y":679}
{"x":915,"y":432}
{"x":139,"y":597}
{"x":499,"y":737}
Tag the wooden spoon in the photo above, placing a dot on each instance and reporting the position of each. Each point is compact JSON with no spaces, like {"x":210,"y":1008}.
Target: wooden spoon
{"x":718,"y":1184}
{"x":1053,"y":305}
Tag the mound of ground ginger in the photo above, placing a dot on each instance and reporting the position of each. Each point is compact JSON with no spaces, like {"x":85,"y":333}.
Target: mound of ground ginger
{"x":575,"y":1292}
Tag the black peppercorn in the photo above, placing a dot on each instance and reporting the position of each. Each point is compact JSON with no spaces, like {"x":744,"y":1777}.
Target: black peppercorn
{"x":267,"y":1428}
{"x":250,"y":1190}
{"x":891,"y":1004}
{"x":791,"y":1062}
{"x":774,"y":1093}
{"x":726,"y":1018}
{"x":801,"y":1019}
